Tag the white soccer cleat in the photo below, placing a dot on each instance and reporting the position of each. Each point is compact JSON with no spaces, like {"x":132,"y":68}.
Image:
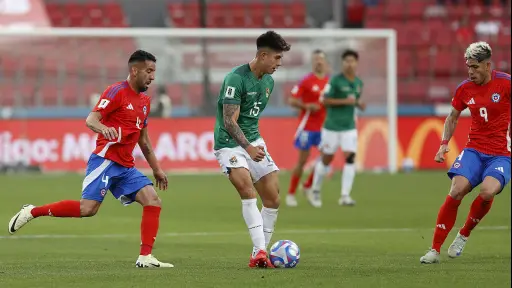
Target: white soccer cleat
{"x":21,"y":218}
{"x":458,"y":244}
{"x":314,"y":198}
{"x":149,"y":261}
{"x":291,"y":201}
{"x":346,"y":201}
{"x":432,"y":257}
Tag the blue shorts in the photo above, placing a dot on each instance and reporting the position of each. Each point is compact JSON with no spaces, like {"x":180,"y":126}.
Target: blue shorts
{"x":475,"y":166}
{"x":306,"y":139}
{"x":103,"y":174}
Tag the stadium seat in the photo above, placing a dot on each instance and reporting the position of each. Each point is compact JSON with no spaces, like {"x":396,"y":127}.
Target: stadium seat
{"x":443,"y":63}
{"x":405,"y":67}
{"x":416,"y":9}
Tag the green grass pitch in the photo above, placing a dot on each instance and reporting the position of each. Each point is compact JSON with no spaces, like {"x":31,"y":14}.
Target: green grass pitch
{"x":377,"y":243}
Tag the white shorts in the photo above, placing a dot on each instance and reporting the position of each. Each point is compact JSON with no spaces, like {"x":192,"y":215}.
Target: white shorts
{"x":332,"y":140}
{"x":237,"y":158}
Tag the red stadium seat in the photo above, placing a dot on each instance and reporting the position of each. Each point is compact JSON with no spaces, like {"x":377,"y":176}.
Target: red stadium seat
{"x":395,"y":11}
{"x":416,"y":9}
{"x":7,"y":94}
{"x":405,"y":67}
{"x":443,"y":63}
{"x":48,"y":94}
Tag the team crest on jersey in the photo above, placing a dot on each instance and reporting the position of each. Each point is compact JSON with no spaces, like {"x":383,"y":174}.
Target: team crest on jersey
{"x":145,"y":110}
{"x":233,"y":160}
{"x":316,"y":88}
{"x":456,"y":165}
{"x":267,"y":91}
{"x":495,"y":97}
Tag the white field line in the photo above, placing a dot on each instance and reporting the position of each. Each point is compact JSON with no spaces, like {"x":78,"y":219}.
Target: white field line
{"x":198,"y":234}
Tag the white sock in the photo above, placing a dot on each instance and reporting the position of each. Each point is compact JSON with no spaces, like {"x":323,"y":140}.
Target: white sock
{"x":318,"y":178}
{"x":254,"y":221}
{"x":347,"y":180}
{"x":269,"y":216}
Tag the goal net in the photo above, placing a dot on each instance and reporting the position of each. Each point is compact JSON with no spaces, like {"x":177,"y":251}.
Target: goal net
{"x":50,"y":79}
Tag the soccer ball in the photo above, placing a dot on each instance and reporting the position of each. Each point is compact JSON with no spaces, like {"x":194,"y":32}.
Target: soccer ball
{"x":284,"y":254}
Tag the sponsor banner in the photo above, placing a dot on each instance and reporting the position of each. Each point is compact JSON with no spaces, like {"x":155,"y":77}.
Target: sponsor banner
{"x":187,"y":144}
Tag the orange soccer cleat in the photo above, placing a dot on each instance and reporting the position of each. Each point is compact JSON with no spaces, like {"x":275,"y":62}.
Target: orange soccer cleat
{"x":260,"y":260}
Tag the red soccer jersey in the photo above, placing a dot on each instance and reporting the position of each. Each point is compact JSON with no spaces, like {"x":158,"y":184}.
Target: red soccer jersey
{"x":308,"y":91}
{"x":122,"y":108}
{"x":489,"y":105}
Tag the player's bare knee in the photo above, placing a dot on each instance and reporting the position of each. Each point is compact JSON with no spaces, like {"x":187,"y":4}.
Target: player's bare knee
{"x":327,"y":159}
{"x":147,"y":196}
{"x":88,"y":208}
{"x":271,"y":201}
{"x":487,"y":192}
{"x":459,"y":191}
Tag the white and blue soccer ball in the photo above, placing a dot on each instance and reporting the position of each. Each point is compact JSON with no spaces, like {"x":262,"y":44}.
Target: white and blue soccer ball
{"x":284,"y":254}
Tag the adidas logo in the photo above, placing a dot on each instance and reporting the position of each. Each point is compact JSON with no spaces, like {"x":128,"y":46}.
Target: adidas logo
{"x":441,"y":226}
{"x":129,"y":107}
{"x":472,"y":101}
{"x":500,"y":169}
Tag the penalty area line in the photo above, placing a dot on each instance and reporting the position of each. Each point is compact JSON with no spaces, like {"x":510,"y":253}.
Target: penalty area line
{"x":278,"y":232}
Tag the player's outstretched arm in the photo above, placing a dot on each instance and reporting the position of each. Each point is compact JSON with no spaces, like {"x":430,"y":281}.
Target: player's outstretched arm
{"x":230,"y":117}
{"x":449,"y":127}
{"x":93,"y":122}
{"x":148,"y":152}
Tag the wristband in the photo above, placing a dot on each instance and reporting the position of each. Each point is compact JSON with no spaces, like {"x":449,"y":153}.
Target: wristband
{"x":444,"y":142}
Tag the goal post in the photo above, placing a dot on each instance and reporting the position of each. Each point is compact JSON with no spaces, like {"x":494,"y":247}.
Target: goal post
{"x":179,"y":50}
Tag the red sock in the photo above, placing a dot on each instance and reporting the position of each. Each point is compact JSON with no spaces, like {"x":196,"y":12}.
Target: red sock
{"x":309,"y":182}
{"x":149,"y":228}
{"x":478,"y":210}
{"x":65,"y":208}
{"x":445,"y":221}
{"x":293,"y":184}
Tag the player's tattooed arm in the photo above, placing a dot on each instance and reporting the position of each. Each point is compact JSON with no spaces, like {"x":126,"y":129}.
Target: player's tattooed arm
{"x":230,"y":115}
{"x":450,"y":124}
{"x":147,"y":149}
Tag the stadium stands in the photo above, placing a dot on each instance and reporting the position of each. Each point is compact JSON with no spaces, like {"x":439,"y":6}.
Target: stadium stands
{"x":429,"y":57}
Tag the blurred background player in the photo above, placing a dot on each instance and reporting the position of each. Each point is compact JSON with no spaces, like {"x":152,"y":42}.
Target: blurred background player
{"x":306,"y":97}
{"x":486,"y":158}
{"x":341,"y":97}
{"x":120,"y":119}
{"x":239,"y":147}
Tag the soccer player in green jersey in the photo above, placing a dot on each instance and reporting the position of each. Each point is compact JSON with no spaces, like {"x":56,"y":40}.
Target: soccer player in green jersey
{"x":341,"y":98}
{"x":239,"y":147}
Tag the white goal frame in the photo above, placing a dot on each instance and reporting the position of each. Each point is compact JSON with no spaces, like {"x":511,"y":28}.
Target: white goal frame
{"x":388,"y":34}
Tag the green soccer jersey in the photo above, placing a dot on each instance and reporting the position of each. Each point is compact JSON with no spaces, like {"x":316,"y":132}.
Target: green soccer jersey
{"x":343,"y":117}
{"x":241,"y":87}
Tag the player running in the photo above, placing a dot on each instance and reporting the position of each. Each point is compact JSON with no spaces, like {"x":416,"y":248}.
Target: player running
{"x":306,"y":97}
{"x":239,"y":147}
{"x":341,"y":97}
{"x":486,"y":158}
{"x":120,"y":118}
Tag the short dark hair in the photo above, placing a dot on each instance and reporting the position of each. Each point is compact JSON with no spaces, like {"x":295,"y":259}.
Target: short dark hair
{"x":348,"y":53}
{"x":141,"y":56}
{"x":318,"y":51}
{"x":273,"y":41}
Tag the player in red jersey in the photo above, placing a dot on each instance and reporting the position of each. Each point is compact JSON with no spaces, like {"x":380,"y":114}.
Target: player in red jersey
{"x":485,"y":160}
{"x":305,"y":96}
{"x":120,"y":119}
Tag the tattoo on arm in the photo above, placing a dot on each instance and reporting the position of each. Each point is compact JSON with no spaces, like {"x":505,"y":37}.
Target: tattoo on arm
{"x":230,"y":115}
{"x":146,"y":148}
{"x":450,"y":124}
